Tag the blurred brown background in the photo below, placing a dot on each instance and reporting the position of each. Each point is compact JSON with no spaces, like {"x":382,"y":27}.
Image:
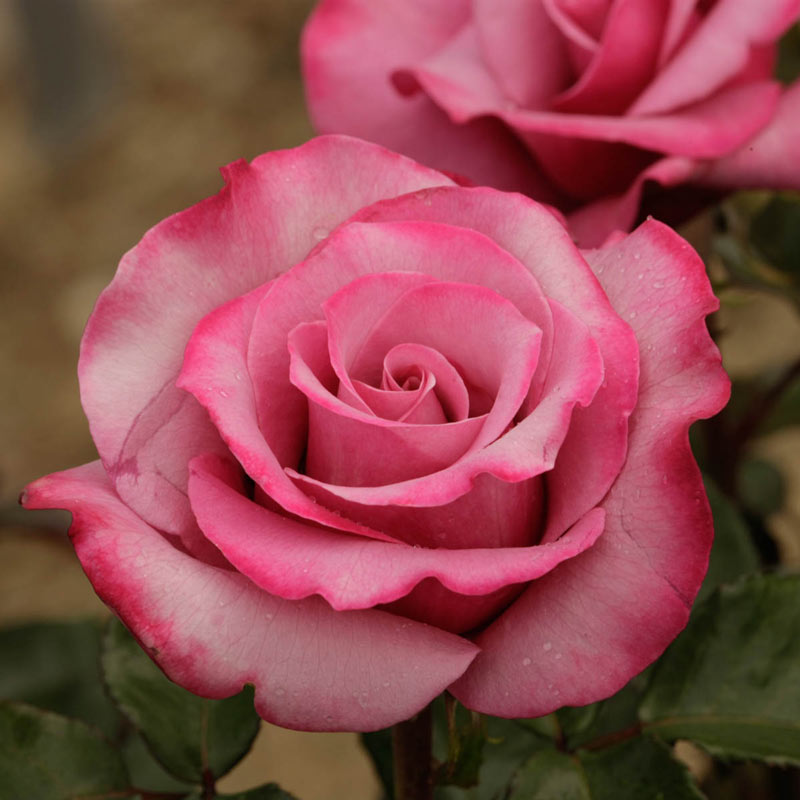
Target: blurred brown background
{"x":112,"y":116}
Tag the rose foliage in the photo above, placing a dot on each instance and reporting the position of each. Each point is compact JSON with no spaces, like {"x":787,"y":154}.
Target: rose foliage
{"x":598,"y":107}
{"x":366,"y":435}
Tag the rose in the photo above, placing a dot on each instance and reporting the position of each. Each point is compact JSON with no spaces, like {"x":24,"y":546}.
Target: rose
{"x":367,"y":435}
{"x":603,"y":109}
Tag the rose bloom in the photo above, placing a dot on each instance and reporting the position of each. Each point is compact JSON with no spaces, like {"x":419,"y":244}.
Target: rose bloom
{"x":607,"y":109}
{"x":366,"y":435}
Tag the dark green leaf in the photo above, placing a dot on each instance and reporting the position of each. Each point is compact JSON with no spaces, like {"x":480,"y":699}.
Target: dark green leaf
{"x":509,"y":743}
{"x":56,"y":666}
{"x":146,"y":772}
{"x":733,"y":553}
{"x":378,"y":745}
{"x":466,"y":737}
{"x":618,"y":713}
{"x":731,"y":681}
{"x":637,"y":769}
{"x":44,"y":756}
{"x":761,"y":487}
{"x":775,"y":232}
{"x":188,"y":734}
{"x":550,"y":775}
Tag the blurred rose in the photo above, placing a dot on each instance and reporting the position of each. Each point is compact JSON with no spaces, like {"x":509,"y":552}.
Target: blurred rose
{"x":603,"y":108}
{"x":367,"y":435}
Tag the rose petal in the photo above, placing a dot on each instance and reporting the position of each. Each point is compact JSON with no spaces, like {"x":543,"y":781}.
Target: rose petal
{"x":526,"y":450}
{"x":528,"y":75}
{"x":581,"y":45}
{"x":681,"y":13}
{"x":716,"y":52}
{"x":350,"y":47}
{"x":592,"y":224}
{"x":213,"y":631}
{"x":536,"y":238}
{"x":708,"y":128}
{"x":581,"y":632}
{"x":771,"y":160}
{"x":145,"y":429}
{"x":441,"y":251}
{"x":293,"y":560}
{"x":215,"y":372}
{"x":344,"y":441}
{"x":623,"y":64}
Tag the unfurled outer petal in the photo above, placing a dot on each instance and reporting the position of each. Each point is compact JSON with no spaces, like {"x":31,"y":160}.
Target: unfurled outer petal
{"x":213,"y":631}
{"x":263,"y":221}
{"x":581,"y":632}
{"x":294,"y":560}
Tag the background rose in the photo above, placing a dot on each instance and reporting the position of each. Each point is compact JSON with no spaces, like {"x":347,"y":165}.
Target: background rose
{"x":587,"y":105}
{"x":541,"y":492}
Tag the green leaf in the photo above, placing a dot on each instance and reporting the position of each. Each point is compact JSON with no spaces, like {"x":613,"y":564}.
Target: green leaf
{"x":550,"y":775}
{"x":466,"y":737}
{"x":637,"y":769}
{"x":49,"y":757}
{"x":731,"y":681}
{"x":189,"y":735}
{"x":733,"y":553}
{"x":146,"y":772}
{"x":619,"y":712}
{"x":56,"y":666}
{"x":775,"y":232}
{"x":508,"y":744}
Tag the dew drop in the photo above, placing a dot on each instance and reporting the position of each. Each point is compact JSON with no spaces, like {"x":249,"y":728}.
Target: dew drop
{"x":547,"y":646}
{"x":526,"y":662}
{"x":280,"y":692}
{"x":223,"y":393}
{"x":320,"y":233}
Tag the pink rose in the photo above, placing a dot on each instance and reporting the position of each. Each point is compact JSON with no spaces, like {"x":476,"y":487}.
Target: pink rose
{"x":602,"y":108}
{"x":366,"y":435}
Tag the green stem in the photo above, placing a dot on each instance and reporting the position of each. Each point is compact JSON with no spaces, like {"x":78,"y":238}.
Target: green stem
{"x":412,"y":743}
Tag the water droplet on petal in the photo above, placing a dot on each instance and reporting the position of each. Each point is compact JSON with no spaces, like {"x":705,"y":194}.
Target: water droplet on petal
{"x":526,"y":662}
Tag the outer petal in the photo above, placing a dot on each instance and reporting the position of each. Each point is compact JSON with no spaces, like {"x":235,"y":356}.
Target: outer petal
{"x":716,"y":52}
{"x":349,"y":50}
{"x":578,"y":634}
{"x":260,"y":224}
{"x":213,"y":631}
{"x":771,"y":160}
{"x":535,"y":237}
{"x":294,"y":560}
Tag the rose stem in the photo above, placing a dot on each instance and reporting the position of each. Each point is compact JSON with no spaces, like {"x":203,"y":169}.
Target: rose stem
{"x":413,"y":761}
